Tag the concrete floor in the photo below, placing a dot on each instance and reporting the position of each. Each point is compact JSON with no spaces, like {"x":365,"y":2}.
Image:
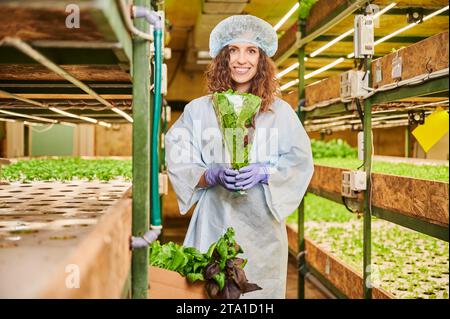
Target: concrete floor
{"x":175,"y":229}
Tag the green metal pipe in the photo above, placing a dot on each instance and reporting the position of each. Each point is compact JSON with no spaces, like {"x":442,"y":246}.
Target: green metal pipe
{"x":155,"y":217}
{"x":367,"y":231}
{"x":142,"y":104}
{"x":164,"y":131}
{"x":301,"y":209}
{"x":407,"y":141}
{"x":154,"y":19}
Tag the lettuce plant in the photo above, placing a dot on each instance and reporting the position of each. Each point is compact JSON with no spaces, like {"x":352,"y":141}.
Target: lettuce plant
{"x":235,"y":112}
{"x":219,"y":267}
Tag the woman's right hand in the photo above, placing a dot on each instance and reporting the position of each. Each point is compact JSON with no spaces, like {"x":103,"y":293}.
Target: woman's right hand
{"x":219,"y":175}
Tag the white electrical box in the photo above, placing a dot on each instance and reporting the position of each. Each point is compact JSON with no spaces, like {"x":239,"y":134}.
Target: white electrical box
{"x":396,"y":67}
{"x":162,"y":14}
{"x":346,"y":191}
{"x":378,"y":72}
{"x":353,"y":182}
{"x":164,"y":79}
{"x":361,"y":145}
{"x":358,"y":181}
{"x":166,"y":113}
{"x":353,"y":84}
{"x":363,"y":40}
{"x":163,"y":180}
{"x":167,"y":54}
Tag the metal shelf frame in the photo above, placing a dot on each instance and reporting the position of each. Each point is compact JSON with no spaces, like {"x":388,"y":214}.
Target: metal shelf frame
{"x":433,"y":86}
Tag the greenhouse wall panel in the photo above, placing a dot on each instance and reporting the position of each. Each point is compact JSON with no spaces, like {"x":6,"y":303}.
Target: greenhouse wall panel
{"x":423,"y":199}
{"x":327,"y":89}
{"x":430,"y":54}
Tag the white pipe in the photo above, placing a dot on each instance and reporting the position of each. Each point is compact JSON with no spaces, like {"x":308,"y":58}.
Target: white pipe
{"x":144,"y":241}
{"x":126,"y":14}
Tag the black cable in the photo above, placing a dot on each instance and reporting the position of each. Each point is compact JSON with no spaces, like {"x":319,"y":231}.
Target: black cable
{"x":361,"y":63}
{"x":345,"y":204}
{"x":360,"y":112}
{"x":360,"y":166}
{"x":364,"y":76}
{"x":365,"y":73}
{"x":429,"y":70}
{"x":427,"y":66}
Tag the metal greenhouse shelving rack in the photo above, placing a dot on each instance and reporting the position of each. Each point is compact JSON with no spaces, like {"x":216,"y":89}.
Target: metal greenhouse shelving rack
{"x":420,"y":205}
{"x":95,"y":73}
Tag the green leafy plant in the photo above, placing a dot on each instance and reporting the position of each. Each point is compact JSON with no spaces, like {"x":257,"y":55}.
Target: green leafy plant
{"x":220,"y":267}
{"x":225,"y":271}
{"x":235,"y":112}
{"x":429,"y":172}
{"x":66,"y":169}
{"x":336,"y":148}
{"x":404,"y":259}
{"x":305,"y":8}
{"x":187,"y":261}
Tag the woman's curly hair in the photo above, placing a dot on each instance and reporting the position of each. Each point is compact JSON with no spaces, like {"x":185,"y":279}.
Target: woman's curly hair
{"x":264,"y":84}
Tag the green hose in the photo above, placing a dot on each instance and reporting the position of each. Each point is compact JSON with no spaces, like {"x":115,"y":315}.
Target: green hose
{"x":155,"y":214}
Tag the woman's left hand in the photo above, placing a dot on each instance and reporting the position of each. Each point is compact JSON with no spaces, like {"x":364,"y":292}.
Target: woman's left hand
{"x":251,"y":175}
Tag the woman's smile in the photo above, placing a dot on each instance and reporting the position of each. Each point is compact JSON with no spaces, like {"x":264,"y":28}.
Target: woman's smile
{"x":241,"y":70}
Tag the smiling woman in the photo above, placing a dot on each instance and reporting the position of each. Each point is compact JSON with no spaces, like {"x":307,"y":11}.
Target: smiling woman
{"x":245,"y":68}
{"x":274,"y":180}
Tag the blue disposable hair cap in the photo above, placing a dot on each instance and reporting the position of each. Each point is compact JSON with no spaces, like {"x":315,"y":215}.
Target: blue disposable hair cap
{"x":243,"y":28}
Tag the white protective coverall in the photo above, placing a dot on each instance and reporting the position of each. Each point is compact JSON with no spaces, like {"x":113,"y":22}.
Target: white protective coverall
{"x":258,"y":216}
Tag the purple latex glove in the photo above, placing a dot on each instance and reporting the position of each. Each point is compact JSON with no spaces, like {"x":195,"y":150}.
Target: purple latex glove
{"x":251,"y":175}
{"x":226,"y":177}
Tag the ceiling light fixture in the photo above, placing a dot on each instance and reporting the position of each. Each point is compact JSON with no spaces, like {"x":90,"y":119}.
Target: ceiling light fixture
{"x":8,"y":120}
{"x":84,"y":118}
{"x":37,"y":118}
{"x":286,"y":16}
{"x":324,"y":68}
{"x":289,"y":84}
{"x":314,"y":73}
{"x":203,"y":55}
{"x":288,"y":69}
{"x":122,"y":113}
{"x":108,"y":125}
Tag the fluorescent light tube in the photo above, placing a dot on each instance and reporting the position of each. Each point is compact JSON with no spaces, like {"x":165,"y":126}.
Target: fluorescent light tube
{"x":286,"y":16}
{"x":125,"y":115}
{"x":329,"y":44}
{"x":289,"y":84}
{"x":324,"y":68}
{"x":37,"y":118}
{"x":288,"y":69}
{"x":108,"y":125}
{"x":84,"y":118}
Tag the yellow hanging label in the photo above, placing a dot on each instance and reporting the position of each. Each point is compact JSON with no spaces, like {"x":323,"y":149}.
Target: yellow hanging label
{"x":434,"y":128}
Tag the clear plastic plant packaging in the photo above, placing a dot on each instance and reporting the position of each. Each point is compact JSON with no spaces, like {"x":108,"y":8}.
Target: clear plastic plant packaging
{"x":235,"y":114}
